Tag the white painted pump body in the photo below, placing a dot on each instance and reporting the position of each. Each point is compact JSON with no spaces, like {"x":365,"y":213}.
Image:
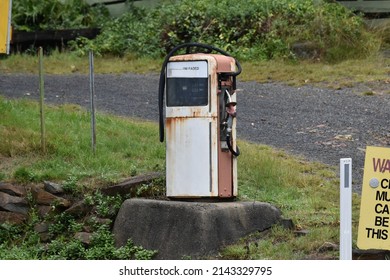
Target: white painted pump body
{"x":198,"y":164}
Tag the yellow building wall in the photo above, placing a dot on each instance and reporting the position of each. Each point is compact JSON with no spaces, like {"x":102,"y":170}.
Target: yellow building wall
{"x":5,"y":25}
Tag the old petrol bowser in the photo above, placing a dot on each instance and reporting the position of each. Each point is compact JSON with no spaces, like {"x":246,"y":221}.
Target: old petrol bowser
{"x":199,"y":90}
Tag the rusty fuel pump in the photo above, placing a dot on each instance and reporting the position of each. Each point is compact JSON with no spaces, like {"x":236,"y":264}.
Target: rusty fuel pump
{"x":200,"y":122}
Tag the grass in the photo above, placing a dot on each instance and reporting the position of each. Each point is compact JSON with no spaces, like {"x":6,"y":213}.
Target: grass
{"x":340,"y":75}
{"x":305,"y":192}
{"x":68,"y":63}
{"x":308,"y":193}
{"x":68,"y":149}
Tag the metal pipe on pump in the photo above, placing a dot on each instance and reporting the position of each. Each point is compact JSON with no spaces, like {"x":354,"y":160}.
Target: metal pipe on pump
{"x":200,"y":109}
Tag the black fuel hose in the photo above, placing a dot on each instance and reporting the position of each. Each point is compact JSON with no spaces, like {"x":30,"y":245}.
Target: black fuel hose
{"x":161,"y":86}
{"x":236,"y":152}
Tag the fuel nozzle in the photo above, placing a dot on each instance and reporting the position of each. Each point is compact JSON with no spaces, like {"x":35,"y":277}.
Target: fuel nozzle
{"x":229,"y":125}
{"x":230,"y":104}
{"x":231,"y":110}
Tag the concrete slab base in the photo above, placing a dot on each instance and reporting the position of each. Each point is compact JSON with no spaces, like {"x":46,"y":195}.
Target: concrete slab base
{"x":178,"y":229}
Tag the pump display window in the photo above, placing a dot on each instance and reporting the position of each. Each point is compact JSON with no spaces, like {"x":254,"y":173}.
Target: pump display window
{"x":187,"y":92}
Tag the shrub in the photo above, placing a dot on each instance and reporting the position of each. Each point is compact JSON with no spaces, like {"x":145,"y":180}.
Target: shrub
{"x":31,"y":15}
{"x":247,"y":29}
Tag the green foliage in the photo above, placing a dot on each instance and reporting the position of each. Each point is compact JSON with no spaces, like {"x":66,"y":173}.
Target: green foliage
{"x":247,"y":29}
{"x":31,"y":15}
{"x":134,"y":31}
{"x":154,"y":189}
{"x":23,"y":175}
{"x":9,"y":232}
{"x":102,"y":247}
{"x":105,"y":206}
{"x":71,"y":185}
{"x":20,"y":252}
{"x":23,"y":243}
{"x":61,"y":224}
{"x":57,"y":250}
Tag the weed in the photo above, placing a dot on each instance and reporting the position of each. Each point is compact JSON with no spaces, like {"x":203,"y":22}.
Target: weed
{"x":105,"y":206}
{"x":73,"y":250}
{"x":23,"y":175}
{"x":104,"y":246}
{"x":9,"y":232}
{"x":155,"y":189}
{"x":61,"y":224}
{"x":72,"y":186}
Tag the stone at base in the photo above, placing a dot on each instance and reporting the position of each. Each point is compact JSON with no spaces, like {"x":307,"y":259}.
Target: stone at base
{"x":179,"y":229}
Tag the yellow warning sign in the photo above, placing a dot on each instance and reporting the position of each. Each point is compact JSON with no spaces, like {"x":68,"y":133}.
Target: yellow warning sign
{"x":5,"y":25}
{"x":374,"y":222}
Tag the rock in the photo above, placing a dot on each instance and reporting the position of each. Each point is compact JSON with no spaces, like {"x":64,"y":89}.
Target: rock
{"x":43,"y":230}
{"x":41,"y":227}
{"x":43,"y":197}
{"x":44,"y":210}
{"x":13,"y":203}
{"x":79,"y":209}
{"x":12,"y":218}
{"x":84,"y":237}
{"x":53,"y":188}
{"x":287,"y":223}
{"x":347,"y":137}
{"x":301,"y":232}
{"x":12,"y":189}
{"x":44,"y":237}
{"x":126,"y":186}
{"x":328,"y":246}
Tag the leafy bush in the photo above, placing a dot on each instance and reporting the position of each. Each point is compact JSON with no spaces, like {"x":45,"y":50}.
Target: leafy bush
{"x":31,"y":15}
{"x":23,"y":243}
{"x":9,"y":232}
{"x":135,"y":31}
{"x":104,"y":206}
{"x":103,"y":247}
{"x":247,"y":29}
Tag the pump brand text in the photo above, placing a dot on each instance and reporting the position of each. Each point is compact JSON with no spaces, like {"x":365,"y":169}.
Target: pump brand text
{"x":193,"y":68}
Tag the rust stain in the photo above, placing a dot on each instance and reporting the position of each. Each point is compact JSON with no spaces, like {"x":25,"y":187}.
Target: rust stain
{"x":225,"y":64}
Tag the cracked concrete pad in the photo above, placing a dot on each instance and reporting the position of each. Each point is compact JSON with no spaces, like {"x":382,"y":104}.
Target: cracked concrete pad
{"x":178,"y":229}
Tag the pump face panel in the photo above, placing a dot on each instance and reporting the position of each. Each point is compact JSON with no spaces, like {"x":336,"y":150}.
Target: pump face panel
{"x":196,"y":165}
{"x":187,"y":84}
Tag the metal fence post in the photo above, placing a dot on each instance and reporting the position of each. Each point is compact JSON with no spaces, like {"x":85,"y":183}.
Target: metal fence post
{"x":92,"y":96}
{"x":42,"y":100}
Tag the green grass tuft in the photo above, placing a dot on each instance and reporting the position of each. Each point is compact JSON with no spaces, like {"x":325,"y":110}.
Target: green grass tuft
{"x":123,"y":146}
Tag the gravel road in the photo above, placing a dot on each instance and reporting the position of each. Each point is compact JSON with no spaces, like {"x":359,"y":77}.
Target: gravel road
{"x":320,"y":124}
